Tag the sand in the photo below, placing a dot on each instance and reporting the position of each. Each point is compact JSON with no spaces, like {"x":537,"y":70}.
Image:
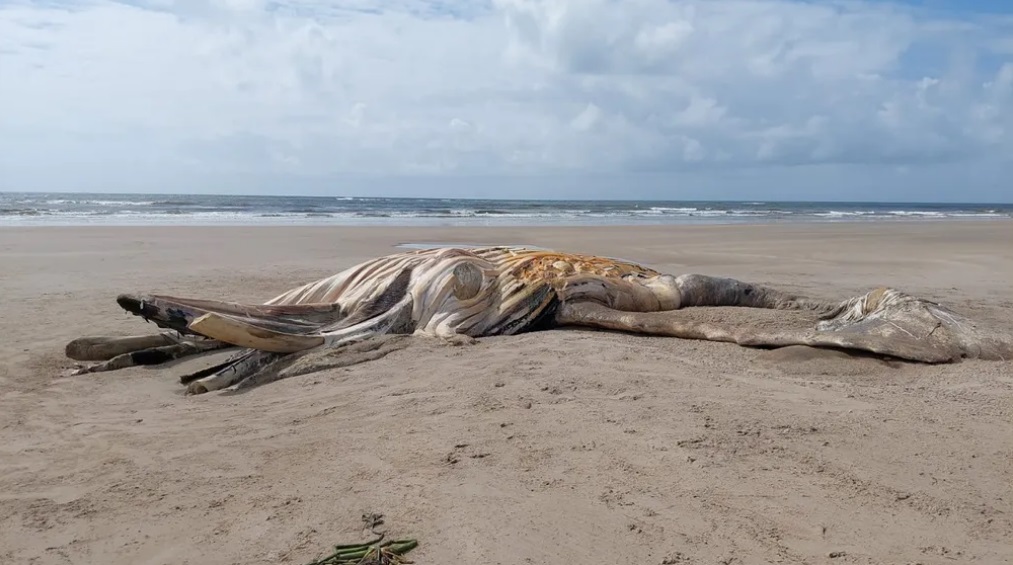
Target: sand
{"x":557,"y":447}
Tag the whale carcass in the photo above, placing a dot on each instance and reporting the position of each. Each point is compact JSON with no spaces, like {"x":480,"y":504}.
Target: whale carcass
{"x":450,"y":292}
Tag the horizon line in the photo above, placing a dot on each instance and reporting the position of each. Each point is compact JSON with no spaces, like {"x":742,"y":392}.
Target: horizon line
{"x":740,"y":201}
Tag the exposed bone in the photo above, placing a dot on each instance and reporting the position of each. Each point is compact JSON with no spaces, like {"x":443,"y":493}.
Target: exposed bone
{"x":150,"y":356}
{"x":243,"y":334}
{"x":245,"y":365}
{"x":324,"y":358}
{"x":178,"y":313}
{"x":101,"y":348}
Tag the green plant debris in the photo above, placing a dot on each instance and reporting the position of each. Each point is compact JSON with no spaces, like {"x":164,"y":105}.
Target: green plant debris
{"x":375,"y":552}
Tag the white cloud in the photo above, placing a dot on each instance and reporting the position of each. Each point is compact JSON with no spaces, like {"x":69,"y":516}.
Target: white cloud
{"x":205,"y":95}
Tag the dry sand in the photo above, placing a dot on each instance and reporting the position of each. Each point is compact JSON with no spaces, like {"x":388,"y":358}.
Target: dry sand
{"x":557,"y":447}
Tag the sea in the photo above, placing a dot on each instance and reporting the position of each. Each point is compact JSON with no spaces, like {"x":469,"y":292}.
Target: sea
{"x":69,"y":209}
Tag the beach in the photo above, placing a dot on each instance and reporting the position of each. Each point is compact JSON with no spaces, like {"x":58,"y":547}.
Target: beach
{"x":551,"y":447}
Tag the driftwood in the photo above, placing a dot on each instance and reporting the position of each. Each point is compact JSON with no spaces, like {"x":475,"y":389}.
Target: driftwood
{"x":447,"y":292}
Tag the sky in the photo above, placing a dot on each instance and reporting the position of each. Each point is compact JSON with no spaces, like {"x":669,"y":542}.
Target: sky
{"x":652,"y":99}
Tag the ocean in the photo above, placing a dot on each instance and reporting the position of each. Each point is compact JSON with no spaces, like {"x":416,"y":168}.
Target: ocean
{"x":40,"y":209}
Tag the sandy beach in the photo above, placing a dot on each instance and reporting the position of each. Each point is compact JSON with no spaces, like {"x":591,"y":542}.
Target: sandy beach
{"x":555,"y":447}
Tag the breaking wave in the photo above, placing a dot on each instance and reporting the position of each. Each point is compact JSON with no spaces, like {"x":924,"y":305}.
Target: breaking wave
{"x":125,"y":209}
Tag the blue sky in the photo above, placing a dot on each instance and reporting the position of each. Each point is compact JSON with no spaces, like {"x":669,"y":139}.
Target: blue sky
{"x":962,"y":7}
{"x":689,"y":99}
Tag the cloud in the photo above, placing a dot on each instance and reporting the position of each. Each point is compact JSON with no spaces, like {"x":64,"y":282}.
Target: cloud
{"x":205,"y":95}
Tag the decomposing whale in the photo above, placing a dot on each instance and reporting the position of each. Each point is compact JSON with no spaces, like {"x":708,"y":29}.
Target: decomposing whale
{"x":448,"y":292}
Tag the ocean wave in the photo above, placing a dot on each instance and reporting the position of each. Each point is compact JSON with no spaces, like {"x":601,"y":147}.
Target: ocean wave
{"x":488,"y":214}
{"x":843,"y":214}
{"x":69,"y":209}
{"x":20,"y":212}
{"x":925,"y":213}
{"x":126,"y":203}
{"x":667,"y":210}
{"x":172,"y":203}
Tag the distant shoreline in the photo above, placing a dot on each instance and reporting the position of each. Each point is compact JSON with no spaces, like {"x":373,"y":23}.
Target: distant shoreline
{"x":426,"y":223}
{"x":63,"y":209}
